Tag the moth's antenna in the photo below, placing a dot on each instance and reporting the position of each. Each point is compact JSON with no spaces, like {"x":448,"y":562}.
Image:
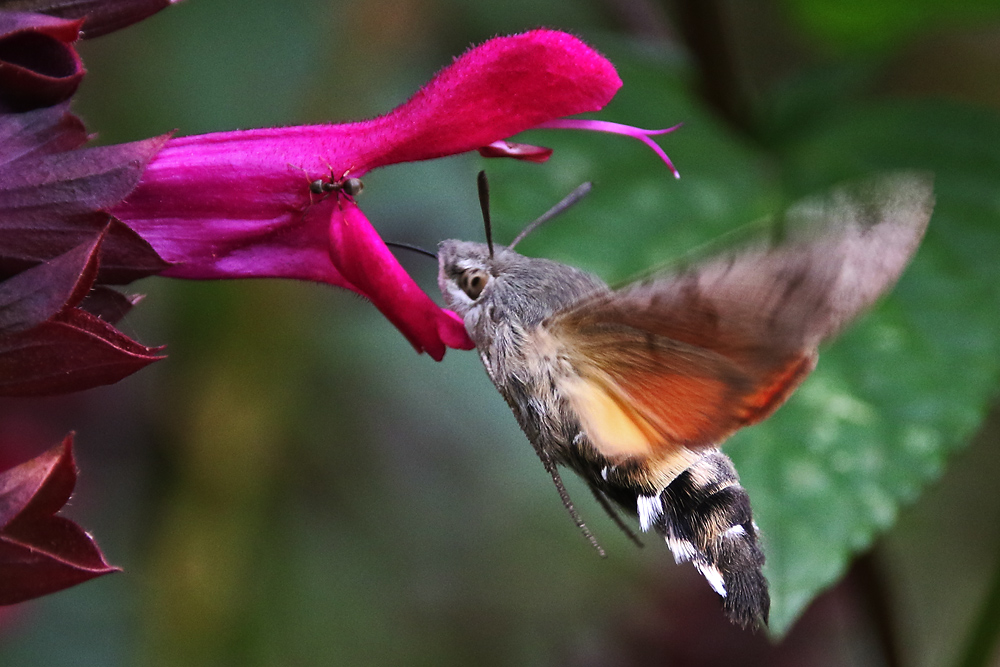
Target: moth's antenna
{"x":567,"y":201}
{"x":414,"y":248}
{"x":484,"y":203}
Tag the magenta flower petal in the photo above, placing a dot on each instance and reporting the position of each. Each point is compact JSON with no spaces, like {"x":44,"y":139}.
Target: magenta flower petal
{"x":494,"y":91}
{"x":239,"y":204}
{"x":364,"y":260}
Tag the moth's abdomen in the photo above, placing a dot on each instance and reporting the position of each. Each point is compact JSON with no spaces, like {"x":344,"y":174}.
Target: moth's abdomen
{"x":705,"y":517}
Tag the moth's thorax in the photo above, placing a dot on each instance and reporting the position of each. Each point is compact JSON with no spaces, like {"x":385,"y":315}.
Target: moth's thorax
{"x":503,"y":322}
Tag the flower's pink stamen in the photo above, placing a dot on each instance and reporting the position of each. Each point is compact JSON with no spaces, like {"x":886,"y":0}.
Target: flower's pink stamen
{"x":615,"y":128}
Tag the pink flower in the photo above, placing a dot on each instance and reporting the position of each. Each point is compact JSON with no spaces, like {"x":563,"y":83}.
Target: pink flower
{"x":274,"y":202}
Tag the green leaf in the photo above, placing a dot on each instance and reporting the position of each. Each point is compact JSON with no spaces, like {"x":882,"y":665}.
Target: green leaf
{"x":907,"y":386}
{"x":877,"y":26}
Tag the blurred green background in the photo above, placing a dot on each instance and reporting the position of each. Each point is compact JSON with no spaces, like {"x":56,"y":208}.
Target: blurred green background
{"x":294,"y":486}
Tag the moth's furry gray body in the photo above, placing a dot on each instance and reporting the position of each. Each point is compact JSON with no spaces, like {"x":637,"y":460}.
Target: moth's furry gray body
{"x":503,"y":322}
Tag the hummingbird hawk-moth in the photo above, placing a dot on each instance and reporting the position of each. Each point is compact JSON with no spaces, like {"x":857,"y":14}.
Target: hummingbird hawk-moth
{"x":636,"y":388}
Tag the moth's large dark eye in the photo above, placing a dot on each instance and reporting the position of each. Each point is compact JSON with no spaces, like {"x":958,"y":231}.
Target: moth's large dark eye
{"x":473,"y":282}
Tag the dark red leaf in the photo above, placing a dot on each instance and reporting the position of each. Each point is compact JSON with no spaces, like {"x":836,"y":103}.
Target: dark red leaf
{"x":51,"y":202}
{"x":41,"y":292}
{"x":20,"y":484}
{"x":40,"y":552}
{"x":88,"y":323}
{"x":37,"y":187}
{"x":125,"y":256}
{"x":38,"y":65}
{"x":42,"y":131}
{"x":21,"y":17}
{"x":78,"y":352}
{"x":103,"y":16}
{"x":108,"y":304}
{"x":48,"y":345}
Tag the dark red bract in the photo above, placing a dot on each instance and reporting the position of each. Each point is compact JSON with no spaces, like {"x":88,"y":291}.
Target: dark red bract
{"x":41,"y":552}
{"x":38,"y":65}
{"x":49,"y":344}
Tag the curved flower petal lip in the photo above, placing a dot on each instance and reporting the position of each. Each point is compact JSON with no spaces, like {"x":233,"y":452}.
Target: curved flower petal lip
{"x":365,"y":261}
{"x":38,"y":67}
{"x":617,"y":128}
{"x":494,"y":91}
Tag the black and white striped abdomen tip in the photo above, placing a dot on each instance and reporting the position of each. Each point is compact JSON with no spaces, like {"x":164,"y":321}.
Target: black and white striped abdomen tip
{"x":705,"y":517}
